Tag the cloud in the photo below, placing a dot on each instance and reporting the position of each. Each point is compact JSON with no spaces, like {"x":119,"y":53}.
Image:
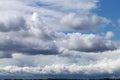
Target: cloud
{"x":84,"y":5}
{"x":118,"y":22}
{"x":86,"y":43}
{"x":117,"y":25}
{"x":94,"y":65}
{"x":107,"y":67}
{"x":75,"y":22}
{"x":38,"y":28}
{"x":31,"y":36}
{"x":5,"y":54}
{"x":109,"y":35}
{"x":28,"y":36}
{"x":33,"y":41}
{"x":102,"y":64}
{"x":13,"y":24}
{"x":51,"y":11}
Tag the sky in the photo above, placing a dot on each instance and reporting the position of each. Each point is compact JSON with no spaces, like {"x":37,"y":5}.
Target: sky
{"x":60,"y":38}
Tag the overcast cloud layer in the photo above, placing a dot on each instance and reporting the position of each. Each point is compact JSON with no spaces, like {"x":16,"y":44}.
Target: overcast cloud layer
{"x":33,"y":40}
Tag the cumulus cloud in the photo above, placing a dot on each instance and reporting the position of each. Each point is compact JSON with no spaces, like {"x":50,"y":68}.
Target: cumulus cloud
{"x":13,"y":24}
{"x":94,"y":65}
{"x":86,"y":43}
{"x":5,"y":54}
{"x":73,"y":21}
{"x":52,"y":11}
{"x":103,"y":64}
{"x":33,"y":41}
{"x":34,"y":37}
{"x":109,"y":35}
{"x":38,"y":28}
{"x":27,"y":36}
{"x":108,"y":67}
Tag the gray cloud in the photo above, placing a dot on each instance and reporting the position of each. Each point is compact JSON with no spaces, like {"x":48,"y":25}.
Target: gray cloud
{"x":86,"y":43}
{"x":29,"y":48}
{"x":86,"y":65}
{"x":93,"y":70}
{"x":13,"y":24}
{"x":27,"y":36}
{"x":52,"y":13}
{"x":36,"y":44}
{"x":34,"y":37}
{"x":5,"y":54}
{"x":73,"y":21}
{"x":109,"y":35}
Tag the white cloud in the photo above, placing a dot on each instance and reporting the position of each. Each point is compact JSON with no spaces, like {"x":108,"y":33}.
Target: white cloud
{"x":30,"y":43}
{"x":52,"y":11}
{"x":5,"y":54}
{"x":76,"y":22}
{"x":13,"y":24}
{"x":101,"y":64}
{"x":86,"y":42}
{"x":105,"y":66}
{"x":109,"y":35}
{"x":27,"y":36}
{"x":84,"y":5}
{"x":36,"y":38}
{"x":118,"y":20}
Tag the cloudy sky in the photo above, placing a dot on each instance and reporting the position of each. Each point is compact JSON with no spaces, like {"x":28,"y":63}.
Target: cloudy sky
{"x":60,"y":38}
